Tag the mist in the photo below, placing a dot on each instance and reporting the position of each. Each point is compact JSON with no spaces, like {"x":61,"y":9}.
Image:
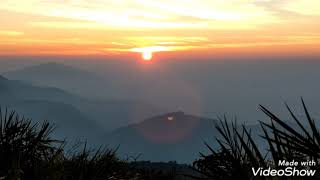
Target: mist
{"x":201,"y":87}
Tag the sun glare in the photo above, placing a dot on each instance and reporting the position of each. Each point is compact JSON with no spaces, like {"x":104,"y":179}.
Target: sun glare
{"x":147,"y":52}
{"x":147,"y":55}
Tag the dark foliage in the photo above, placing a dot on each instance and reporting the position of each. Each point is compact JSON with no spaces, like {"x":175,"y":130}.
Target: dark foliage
{"x":23,"y":145}
{"x":27,"y":152}
{"x":238,"y":152}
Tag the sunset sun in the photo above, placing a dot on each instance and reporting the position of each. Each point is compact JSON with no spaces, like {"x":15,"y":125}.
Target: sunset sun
{"x":147,"y":52}
{"x":147,"y":56}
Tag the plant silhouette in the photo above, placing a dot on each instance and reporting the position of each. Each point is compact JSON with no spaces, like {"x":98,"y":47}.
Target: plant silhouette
{"x":238,"y":152}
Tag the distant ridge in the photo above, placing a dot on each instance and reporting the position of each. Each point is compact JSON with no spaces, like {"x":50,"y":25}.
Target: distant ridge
{"x":47,"y":68}
{"x":171,"y":123}
{"x":170,"y":136}
{"x":3,"y":83}
{"x":62,"y":76}
{"x":3,"y":78}
{"x":109,"y":113}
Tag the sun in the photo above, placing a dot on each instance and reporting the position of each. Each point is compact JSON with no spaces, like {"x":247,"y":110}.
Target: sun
{"x":147,"y":56}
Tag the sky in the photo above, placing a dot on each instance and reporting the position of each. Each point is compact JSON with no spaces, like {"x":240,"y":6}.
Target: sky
{"x":122,"y":27}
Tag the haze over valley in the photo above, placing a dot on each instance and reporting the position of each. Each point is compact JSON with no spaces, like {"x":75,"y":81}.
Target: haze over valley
{"x":151,"y":109}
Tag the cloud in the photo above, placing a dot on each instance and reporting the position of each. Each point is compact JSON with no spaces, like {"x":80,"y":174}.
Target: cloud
{"x":304,"y":7}
{"x":68,"y":25}
{"x":10,"y":33}
{"x":146,"y":13}
{"x":210,"y":14}
{"x":121,"y":26}
{"x":290,"y":8}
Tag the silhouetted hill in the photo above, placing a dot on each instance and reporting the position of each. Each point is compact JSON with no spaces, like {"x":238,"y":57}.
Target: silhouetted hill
{"x":52,"y":71}
{"x":40,"y":103}
{"x":3,"y":78}
{"x":171,"y":136}
{"x":62,"y":76}
{"x":73,"y":115}
{"x":110,"y":112}
{"x":2,"y":83}
{"x":69,"y":122}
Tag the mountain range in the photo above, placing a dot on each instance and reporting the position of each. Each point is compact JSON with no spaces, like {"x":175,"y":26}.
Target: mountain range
{"x":206,"y":88}
{"x":166,"y":137}
{"x":62,"y":94}
{"x":59,"y":75}
{"x":83,"y":117}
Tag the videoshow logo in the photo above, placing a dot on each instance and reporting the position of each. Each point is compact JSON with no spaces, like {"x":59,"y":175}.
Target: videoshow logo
{"x":289,"y":169}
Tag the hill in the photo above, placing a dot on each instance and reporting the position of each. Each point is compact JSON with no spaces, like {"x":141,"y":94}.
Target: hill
{"x":172,"y":136}
{"x":69,"y":122}
{"x":41,"y":103}
{"x":71,"y":113}
{"x":3,"y":78}
{"x":62,"y":76}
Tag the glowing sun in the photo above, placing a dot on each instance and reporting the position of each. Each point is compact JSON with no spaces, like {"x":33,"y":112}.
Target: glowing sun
{"x":147,"y":56}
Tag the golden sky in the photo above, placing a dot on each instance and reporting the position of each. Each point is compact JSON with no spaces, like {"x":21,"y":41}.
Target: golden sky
{"x":85,"y":27}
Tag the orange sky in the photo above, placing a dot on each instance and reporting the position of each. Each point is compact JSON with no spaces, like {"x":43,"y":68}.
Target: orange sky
{"x":97,"y":27}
